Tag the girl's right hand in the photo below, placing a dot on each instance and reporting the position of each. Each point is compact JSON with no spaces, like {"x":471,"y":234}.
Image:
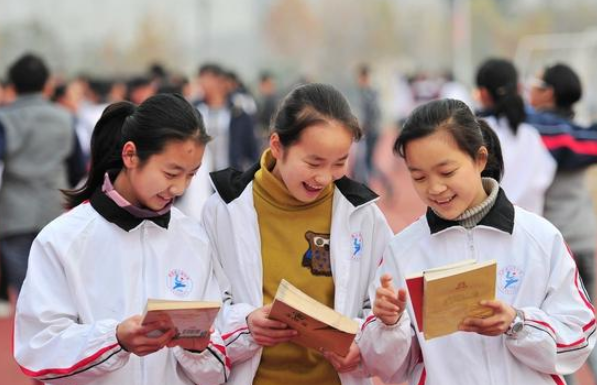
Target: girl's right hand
{"x":267,"y":332}
{"x":389,"y":304}
{"x":132,"y":336}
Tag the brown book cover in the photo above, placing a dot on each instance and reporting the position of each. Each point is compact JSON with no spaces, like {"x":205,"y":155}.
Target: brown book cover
{"x":452,"y":294}
{"x":192,"y":319}
{"x":319,"y":326}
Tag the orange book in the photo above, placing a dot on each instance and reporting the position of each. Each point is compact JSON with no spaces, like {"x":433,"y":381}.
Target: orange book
{"x":319,"y":326}
{"x":192,"y":319}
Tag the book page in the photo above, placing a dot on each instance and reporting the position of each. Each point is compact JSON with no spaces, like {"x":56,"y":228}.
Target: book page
{"x":450,"y":299}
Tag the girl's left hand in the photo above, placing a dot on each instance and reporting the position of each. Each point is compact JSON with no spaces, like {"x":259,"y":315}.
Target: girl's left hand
{"x":498,"y":323}
{"x":345,"y":364}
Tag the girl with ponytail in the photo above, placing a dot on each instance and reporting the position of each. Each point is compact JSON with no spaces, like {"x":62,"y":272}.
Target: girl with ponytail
{"x":92,"y":270}
{"x":542,"y":324}
{"x":529,"y":168}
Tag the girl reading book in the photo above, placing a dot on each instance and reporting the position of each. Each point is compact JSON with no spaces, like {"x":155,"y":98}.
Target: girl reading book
{"x":543,"y":324}
{"x":296,"y":216}
{"x":93,"y":269}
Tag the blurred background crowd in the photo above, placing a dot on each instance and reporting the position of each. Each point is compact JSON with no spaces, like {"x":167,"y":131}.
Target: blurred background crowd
{"x":235,"y":60}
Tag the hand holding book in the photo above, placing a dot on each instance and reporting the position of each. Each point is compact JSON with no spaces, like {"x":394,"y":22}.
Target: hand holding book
{"x":266,"y":331}
{"x":134,"y":337}
{"x":389,"y":304}
{"x":497,"y":324}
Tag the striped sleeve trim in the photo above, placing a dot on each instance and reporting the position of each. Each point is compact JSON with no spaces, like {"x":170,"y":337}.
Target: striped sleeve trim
{"x":558,"y":379}
{"x":230,"y":338}
{"x":568,"y":141}
{"x":95,"y":359}
{"x":219,"y":352}
{"x":368,"y":320}
{"x":588,"y":331}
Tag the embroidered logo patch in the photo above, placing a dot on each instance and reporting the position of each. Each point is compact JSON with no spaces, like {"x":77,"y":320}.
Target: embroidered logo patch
{"x":317,"y":257}
{"x":357,"y":245}
{"x":179,"y":282}
{"x":509,"y":279}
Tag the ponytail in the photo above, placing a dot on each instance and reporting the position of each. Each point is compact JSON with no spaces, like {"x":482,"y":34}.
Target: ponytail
{"x":106,"y":146}
{"x":495,"y":161}
{"x":500,"y":79}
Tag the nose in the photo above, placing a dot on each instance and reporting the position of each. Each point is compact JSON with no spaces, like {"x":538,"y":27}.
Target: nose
{"x":436,"y":188}
{"x":178,"y":187}
{"x":323,"y":178}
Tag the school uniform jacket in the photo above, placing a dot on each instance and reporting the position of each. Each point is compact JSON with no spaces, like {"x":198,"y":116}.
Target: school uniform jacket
{"x":95,"y":266}
{"x":359,"y":234}
{"x":535,"y":273}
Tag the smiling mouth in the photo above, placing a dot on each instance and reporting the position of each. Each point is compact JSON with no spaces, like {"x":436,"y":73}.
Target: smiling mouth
{"x":311,"y":188}
{"x":444,"y":201}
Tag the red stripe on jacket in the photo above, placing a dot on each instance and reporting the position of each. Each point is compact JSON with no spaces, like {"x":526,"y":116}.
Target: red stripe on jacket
{"x":62,"y":371}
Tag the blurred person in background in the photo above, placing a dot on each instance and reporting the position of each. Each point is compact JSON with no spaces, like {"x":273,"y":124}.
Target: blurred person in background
{"x":234,"y":143}
{"x":139,"y":89}
{"x":529,"y":168}
{"x":568,"y":204}
{"x":369,"y":113}
{"x":38,"y":147}
{"x":239,"y":95}
{"x":267,"y":102}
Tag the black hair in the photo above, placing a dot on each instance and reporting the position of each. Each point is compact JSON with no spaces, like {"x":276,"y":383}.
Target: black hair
{"x":567,"y":88}
{"x":469,"y":132}
{"x":28,"y":74}
{"x":150,"y":126}
{"x":311,"y":104}
{"x":212,"y":69}
{"x":500,"y":79}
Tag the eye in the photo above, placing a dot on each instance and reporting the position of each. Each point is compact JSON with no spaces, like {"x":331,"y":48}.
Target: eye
{"x":448,"y":173}
{"x":340,"y":164}
{"x":169,"y":175}
{"x":418,"y":178}
{"x":312,"y":165}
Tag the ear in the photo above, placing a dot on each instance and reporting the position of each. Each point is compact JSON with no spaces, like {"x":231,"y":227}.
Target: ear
{"x":276,"y":146}
{"x":482,"y":157}
{"x":129,"y":155}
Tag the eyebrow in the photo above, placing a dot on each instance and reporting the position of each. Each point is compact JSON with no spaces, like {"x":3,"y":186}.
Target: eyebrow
{"x":320,"y":159}
{"x":180,"y":168}
{"x":441,"y":164}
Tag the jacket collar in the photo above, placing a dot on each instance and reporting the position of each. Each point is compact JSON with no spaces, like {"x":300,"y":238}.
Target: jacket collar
{"x":501,"y":217}
{"x":111,"y":212}
{"x":230,"y":183}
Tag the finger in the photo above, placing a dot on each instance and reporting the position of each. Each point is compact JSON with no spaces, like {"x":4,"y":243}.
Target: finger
{"x":386,"y":281}
{"x":497,"y":306}
{"x":269,"y":324}
{"x":346,"y":369}
{"x":402,"y":297}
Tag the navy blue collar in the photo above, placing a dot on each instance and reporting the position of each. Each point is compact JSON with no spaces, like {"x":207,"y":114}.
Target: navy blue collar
{"x":501,"y":217}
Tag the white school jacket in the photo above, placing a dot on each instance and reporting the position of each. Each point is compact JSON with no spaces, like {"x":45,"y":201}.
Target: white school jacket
{"x":359,"y":234}
{"x":535,"y":273}
{"x":529,"y":168}
{"x":95,"y":266}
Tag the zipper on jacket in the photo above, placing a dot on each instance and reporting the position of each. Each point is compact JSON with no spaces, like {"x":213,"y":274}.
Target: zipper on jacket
{"x":144,"y":291}
{"x":470,"y":244}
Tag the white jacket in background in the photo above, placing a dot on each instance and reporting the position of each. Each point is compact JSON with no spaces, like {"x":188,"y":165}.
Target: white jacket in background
{"x":359,"y":234}
{"x":86,"y":275}
{"x":535,"y":273}
{"x":529,"y":168}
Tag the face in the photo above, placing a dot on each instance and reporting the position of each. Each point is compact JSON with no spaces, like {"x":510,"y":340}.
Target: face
{"x":446,"y":178}
{"x":317,"y":159}
{"x":540,"y":94}
{"x":164,"y":176}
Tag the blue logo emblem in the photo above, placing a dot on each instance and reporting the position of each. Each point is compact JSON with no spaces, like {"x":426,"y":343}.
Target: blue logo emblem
{"x":357,"y":245}
{"x":509,"y":279}
{"x":179,"y":282}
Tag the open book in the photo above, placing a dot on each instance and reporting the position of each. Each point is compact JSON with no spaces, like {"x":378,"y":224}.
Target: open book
{"x":318,"y":325}
{"x":442,"y":297}
{"x":192,"y":319}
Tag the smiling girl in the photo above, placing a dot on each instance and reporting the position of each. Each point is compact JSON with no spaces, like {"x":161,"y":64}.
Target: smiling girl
{"x":93,"y":269}
{"x":543,"y":324}
{"x":295,"y":216}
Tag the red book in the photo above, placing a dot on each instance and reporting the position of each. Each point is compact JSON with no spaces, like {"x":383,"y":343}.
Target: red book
{"x":415,"y":287}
